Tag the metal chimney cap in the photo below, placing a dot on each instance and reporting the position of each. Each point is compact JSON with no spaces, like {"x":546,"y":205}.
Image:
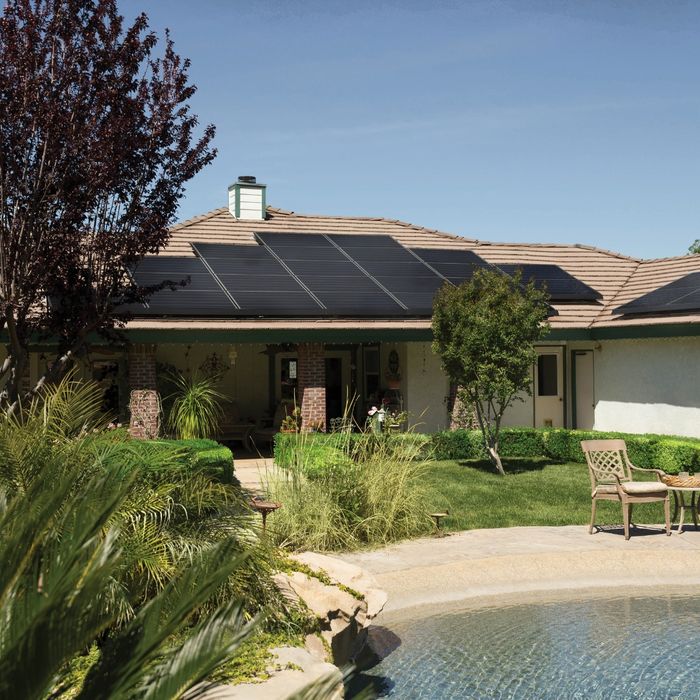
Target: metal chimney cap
{"x":247,"y":179}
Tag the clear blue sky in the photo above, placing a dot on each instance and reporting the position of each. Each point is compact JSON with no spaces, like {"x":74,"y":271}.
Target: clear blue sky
{"x":508,"y":121}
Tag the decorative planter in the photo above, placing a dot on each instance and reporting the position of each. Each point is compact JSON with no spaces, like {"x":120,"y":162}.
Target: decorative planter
{"x":393,"y":384}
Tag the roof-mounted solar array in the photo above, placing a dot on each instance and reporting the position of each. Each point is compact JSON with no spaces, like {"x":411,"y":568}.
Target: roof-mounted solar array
{"x":560,"y":285}
{"x":317,"y":275}
{"x":203,"y":296}
{"x":678,"y":296}
{"x":341,"y":286}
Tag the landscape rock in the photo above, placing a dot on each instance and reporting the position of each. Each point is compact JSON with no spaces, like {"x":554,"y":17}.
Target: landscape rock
{"x":343,"y":617}
{"x":299,"y":669}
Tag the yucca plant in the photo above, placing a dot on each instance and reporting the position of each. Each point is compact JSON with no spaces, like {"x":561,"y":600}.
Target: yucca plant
{"x":195,"y":409}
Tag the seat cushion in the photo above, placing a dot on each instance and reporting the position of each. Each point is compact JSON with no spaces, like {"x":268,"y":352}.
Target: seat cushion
{"x":640,"y":488}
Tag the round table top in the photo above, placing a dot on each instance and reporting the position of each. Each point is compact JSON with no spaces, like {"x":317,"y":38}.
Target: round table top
{"x":684,"y":483}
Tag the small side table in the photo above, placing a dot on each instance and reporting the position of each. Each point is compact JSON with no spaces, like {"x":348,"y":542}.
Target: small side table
{"x":437,"y":517}
{"x":680,"y":504}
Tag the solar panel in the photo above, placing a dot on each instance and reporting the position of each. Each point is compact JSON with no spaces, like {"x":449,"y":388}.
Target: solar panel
{"x":457,"y":266}
{"x":560,"y":285}
{"x":341,"y":285}
{"x":396,"y":269}
{"x":201,"y":297}
{"x":681,"y":295}
{"x":256,"y":280}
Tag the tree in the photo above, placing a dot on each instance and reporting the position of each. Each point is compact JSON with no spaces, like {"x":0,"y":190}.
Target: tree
{"x":484,"y":332}
{"x":694,"y":248}
{"x":96,"y":144}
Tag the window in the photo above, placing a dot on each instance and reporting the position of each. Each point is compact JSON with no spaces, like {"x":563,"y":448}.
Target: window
{"x":547,"y":375}
{"x":288,"y":379}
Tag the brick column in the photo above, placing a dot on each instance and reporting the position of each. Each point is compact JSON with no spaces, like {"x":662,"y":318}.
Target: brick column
{"x":311,"y":384}
{"x":144,"y":402}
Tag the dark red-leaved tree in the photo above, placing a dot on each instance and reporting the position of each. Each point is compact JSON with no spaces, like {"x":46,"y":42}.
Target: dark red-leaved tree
{"x":97,"y":141}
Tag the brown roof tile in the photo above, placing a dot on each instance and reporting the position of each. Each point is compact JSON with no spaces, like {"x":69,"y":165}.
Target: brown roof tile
{"x":618,"y":278}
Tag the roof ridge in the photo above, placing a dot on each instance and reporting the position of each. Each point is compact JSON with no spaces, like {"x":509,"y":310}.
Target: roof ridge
{"x":199,"y":217}
{"x":399,"y":222}
{"x":582,"y":246}
{"x":672,"y":257}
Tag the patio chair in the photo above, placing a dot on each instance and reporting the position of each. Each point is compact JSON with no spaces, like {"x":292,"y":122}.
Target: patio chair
{"x":611,"y":480}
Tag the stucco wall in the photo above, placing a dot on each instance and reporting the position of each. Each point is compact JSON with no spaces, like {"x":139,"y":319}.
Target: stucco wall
{"x":425,"y":388}
{"x":648,"y":386}
{"x":246,"y":382}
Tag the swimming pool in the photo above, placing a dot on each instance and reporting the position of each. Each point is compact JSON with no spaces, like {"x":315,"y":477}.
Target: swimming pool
{"x":624,"y":647}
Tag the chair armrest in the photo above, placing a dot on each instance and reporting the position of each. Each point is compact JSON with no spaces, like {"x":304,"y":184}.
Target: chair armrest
{"x":659,"y":472}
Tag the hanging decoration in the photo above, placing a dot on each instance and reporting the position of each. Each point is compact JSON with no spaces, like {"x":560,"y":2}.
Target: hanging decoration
{"x":214,"y":365}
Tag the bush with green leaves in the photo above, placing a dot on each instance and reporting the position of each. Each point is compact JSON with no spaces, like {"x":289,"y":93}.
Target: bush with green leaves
{"x":128,"y":528}
{"x":672,"y":454}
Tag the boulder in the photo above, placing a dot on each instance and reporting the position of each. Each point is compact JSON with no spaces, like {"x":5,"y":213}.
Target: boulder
{"x":299,"y":669}
{"x":343,"y":617}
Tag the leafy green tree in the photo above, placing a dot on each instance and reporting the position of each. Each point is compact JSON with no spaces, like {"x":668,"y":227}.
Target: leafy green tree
{"x":694,"y":248}
{"x":484,"y":331}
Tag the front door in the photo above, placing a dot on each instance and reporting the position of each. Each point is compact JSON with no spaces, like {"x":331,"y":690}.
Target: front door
{"x":549,"y":388}
{"x":584,"y":403}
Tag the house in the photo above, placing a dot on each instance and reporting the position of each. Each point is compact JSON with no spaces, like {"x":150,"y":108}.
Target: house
{"x":321,"y":308}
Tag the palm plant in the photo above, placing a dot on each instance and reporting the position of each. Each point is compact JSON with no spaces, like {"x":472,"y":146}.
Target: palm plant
{"x":196,"y":406}
{"x":58,"y":555}
{"x":120,"y":541}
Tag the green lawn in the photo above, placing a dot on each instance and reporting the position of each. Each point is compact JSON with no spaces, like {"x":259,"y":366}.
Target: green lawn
{"x":533,"y":492}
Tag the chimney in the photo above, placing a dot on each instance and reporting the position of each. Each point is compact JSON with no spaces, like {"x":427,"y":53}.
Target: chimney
{"x":246,"y":199}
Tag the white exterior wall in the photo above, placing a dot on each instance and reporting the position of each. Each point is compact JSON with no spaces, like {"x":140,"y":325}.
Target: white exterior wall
{"x":425,"y":389}
{"x":648,"y":386}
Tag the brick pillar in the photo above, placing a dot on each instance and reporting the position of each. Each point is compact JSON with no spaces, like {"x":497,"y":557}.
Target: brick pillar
{"x":311,"y":384}
{"x":144,"y":402}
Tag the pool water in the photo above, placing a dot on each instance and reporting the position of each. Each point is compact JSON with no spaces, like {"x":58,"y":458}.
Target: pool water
{"x":630,"y":647}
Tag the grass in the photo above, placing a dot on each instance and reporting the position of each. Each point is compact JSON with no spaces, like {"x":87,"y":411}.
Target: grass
{"x":533,"y":492}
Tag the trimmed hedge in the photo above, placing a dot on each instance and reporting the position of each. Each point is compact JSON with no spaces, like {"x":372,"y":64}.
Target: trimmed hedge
{"x":316,"y":444}
{"x":670,"y":453}
{"x":208,"y":455}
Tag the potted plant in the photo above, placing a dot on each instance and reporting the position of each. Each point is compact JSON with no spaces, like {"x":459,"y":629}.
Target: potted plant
{"x":291,"y":422}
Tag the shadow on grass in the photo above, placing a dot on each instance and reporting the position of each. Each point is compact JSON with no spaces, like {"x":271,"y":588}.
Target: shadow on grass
{"x":512,"y":465}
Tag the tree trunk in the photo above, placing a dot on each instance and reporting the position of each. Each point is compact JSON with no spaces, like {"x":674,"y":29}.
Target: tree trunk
{"x":496,"y":459}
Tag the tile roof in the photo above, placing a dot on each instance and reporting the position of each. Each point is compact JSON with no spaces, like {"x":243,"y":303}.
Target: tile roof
{"x":618,"y":278}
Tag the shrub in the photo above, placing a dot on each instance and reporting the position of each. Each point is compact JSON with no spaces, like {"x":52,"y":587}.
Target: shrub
{"x":343,"y":490}
{"x":672,"y":454}
{"x":208,"y":455}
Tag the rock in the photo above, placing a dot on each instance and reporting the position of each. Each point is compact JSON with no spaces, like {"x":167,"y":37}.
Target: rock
{"x":315,"y":646}
{"x":349,"y":575}
{"x":343,"y":617}
{"x":299,"y":670}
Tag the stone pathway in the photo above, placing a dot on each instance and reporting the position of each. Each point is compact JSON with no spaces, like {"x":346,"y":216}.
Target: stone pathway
{"x":518,"y":560}
{"x":251,"y":471}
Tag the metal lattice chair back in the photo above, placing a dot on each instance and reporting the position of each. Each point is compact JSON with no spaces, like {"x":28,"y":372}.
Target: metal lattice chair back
{"x":606,"y":460}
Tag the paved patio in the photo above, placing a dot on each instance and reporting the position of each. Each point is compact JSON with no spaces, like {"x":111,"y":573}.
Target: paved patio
{"x":250,"y":470}
{"x":523,"y":560}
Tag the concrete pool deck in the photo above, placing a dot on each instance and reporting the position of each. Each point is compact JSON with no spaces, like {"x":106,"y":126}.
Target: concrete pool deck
{"x":522,"y":560}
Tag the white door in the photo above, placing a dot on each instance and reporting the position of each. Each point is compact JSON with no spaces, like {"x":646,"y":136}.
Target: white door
{"x":584,"y":405}
{"x":549,"y":388}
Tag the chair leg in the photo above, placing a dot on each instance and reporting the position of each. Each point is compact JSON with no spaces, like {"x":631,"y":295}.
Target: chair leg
{"x":626,"y":519}
{"x":592,"y":527}
{"x":667,"y":513}
{"x":631,"y":510}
